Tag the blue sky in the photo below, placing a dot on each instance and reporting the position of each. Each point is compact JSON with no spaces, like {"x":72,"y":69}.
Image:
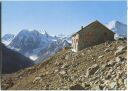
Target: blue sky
{"x":58,"y":17}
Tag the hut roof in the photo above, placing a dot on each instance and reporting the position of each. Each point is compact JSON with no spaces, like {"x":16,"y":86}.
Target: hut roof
{"x":95,"y":22}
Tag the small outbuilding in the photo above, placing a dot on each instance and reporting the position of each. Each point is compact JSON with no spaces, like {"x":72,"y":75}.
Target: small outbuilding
{"x":93,"y":34}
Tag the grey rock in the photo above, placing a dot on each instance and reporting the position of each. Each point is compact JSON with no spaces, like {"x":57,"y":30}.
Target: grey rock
{"x":111,"y":63}
{"x":92,"y":70}
{"x":120,"y":50}
{"x":101,"y":56}
{"x":125,"y":82}
{"x":77,"y":87}
{"x":37,"y":79}
{"x":106,"y":50}
{"x":67,"y":57}
{"x":95,"y":87}
{"x":62,"y":72}
{"x":56,"y":70}
{"x":119,"y":59}
{"x":86,"y":86}
{"x":120,"y":81}
{"x":112,"y":85}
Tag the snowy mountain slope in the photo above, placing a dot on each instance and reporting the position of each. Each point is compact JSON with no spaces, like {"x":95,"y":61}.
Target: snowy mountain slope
{"x":25,"y":41}
{"x":64,"y":37}
{"x":52,"y":48}
{"x":119,"y":28}
{"x":7,"y":38}
{"x":34,"y":44}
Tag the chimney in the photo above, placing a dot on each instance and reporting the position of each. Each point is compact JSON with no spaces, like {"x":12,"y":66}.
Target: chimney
{"x":81,"y":27}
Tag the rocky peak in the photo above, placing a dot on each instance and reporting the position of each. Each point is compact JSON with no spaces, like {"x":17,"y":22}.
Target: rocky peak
{"x":119,"y":28}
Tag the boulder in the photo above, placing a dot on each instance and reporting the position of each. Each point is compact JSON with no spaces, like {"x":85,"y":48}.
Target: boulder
{"x":87,"y":86}
{"x":106,"y":50}
{"x":120,"y":50}
{"x":37,"y":79}
{"x":125,"y":82}
{"x":65,"y":66}
{"x":112,"y":85}
{"x":120,"y":82}
{"x":56,"y":70}
{"x":95,"y":87}
{"x":62,"y":72}
{"x":120,"y":59}
{"x":67,"y":57}
{"x":101,"y":56}
{"x":111,"y":63}
{"x":91,"y":70}
{"x":76,"y":87}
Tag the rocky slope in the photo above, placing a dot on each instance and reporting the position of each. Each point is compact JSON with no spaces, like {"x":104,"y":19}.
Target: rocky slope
{"x":99,"y":67}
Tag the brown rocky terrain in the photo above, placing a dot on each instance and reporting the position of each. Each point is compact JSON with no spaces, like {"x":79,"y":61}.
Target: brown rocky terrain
{"x":101,"y":67}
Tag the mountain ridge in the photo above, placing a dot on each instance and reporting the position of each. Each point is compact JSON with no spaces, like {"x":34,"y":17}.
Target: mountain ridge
{"x":7,"y":38}
{"x":119,"y":28}
{"x":13,"y":61}
{"x":32,"y":43}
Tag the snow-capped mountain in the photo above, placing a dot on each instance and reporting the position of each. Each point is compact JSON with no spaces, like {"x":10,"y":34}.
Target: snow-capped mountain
{"x":28,"y":40}
{"x":7,"y":38}
{"x":52,"y":48}
{"x":119,"y":28}
{"x":34,"y":44}
{"x":64,"y":37}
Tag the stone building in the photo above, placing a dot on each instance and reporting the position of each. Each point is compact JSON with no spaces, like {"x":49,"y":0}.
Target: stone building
{"x":93,"y":34}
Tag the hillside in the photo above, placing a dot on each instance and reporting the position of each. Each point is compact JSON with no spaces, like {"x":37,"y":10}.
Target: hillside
{"x":99,"y":67}
{"x":13,"y":61}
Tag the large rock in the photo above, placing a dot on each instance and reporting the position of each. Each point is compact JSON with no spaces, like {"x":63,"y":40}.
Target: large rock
{"x":112,"y":85}
{"x":77,"y":87}
{"x":86,"y":86}
{"x":111,"y":63}
{"x":101,"y":56}
{"x":120,"y":59}
{"x":62,"y":72}
{"x":120,"y":50}
{"x":92,"y":70}
{"x":37,"y":79}
{"x":95,"y":87}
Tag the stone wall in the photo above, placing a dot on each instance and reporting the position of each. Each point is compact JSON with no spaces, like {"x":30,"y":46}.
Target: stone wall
{"x":75,"y":40}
